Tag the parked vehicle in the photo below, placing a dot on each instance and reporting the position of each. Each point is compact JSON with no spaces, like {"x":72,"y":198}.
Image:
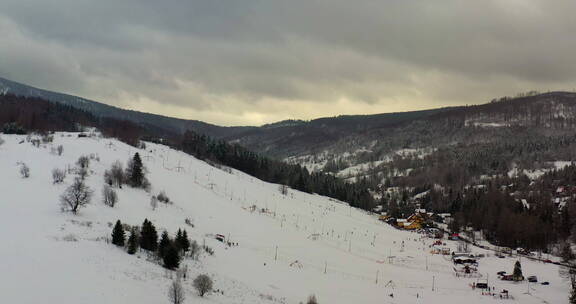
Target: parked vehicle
{"x":532,"y":279}
{"x":545,"y":283}
{"x":501,"y":273}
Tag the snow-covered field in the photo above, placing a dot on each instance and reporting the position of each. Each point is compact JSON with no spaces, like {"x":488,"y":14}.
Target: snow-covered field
{"x":289,"y":248}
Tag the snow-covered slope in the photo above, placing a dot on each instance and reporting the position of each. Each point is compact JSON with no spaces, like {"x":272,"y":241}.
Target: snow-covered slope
{"x":288,"y":248}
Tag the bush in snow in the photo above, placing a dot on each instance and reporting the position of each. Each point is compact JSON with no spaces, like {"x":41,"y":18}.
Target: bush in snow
{"x":189,"y":222}
{"x":24,"y":170}
{"x":176,"y":292}
{"x":83,"y":162}
{"x":58,"y":176}
{"x":162,"y":197}
{"x":209,"y":250}
{"x":70,"y":238}
{"x":312,"y":300}
{"x":47,"y":138}
{"x":35,"y":142}
{"x":76,"y":196}
{"x":57,"y":150}
{"x":109,"y":196}
{"x":203,"y":284}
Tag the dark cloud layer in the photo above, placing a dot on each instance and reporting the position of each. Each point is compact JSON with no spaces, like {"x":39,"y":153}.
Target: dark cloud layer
{"x":256,"y":61}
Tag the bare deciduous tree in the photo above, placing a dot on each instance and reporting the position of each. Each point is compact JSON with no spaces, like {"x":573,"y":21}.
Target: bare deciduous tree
{"x":81,"y":173}
{"x":117,"y":174}
{"x":194,"y":250}
{"x":109,"y":196}
{"x":283,"y":189}
{"x":203,"y":284}
{"x":58,"y":176}
{"x":176,"y":293}
{"x":76,"y":195}
{"x":24,"y":170}
{"x":83,"y":162}
{"x":153,"y":202}
{"x":60,"y":150}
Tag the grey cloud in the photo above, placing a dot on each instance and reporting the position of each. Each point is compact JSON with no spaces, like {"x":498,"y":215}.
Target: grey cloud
{"x":267,"y":58}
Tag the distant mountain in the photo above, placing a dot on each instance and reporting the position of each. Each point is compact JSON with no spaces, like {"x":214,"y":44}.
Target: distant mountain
{"x":104,"y":110}
{"x":361,"y":141}
{"x":294,"y":138}
{"x":380,"y":133}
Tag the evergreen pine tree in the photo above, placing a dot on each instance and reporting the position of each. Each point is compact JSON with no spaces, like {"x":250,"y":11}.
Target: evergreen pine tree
{"x":165,"y":242}
{"x":181,"y":240}
{"x":171,"y":258}
{"x":153,"y":237}
{"x":517,"y":274}
{"x":118,"y":236}
{"x":132,"y":242}
{"x":148,"y":236}
{"x":178,"y":239}
{"x":144,"y":231}
{"x":136,"y":171}
{"x":185,"y":242}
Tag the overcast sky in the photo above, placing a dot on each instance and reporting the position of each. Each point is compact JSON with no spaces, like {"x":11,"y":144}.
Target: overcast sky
{"x":249,"y":62}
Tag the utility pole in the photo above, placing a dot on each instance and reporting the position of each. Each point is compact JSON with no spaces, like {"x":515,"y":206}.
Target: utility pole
{"x":433,"y":283}
{"x":325,"y":267}
{"x":377,"y":274}
{"x":276,"y":254}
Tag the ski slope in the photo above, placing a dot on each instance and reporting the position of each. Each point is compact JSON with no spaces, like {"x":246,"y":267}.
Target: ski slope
{"x":289,"y":246}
